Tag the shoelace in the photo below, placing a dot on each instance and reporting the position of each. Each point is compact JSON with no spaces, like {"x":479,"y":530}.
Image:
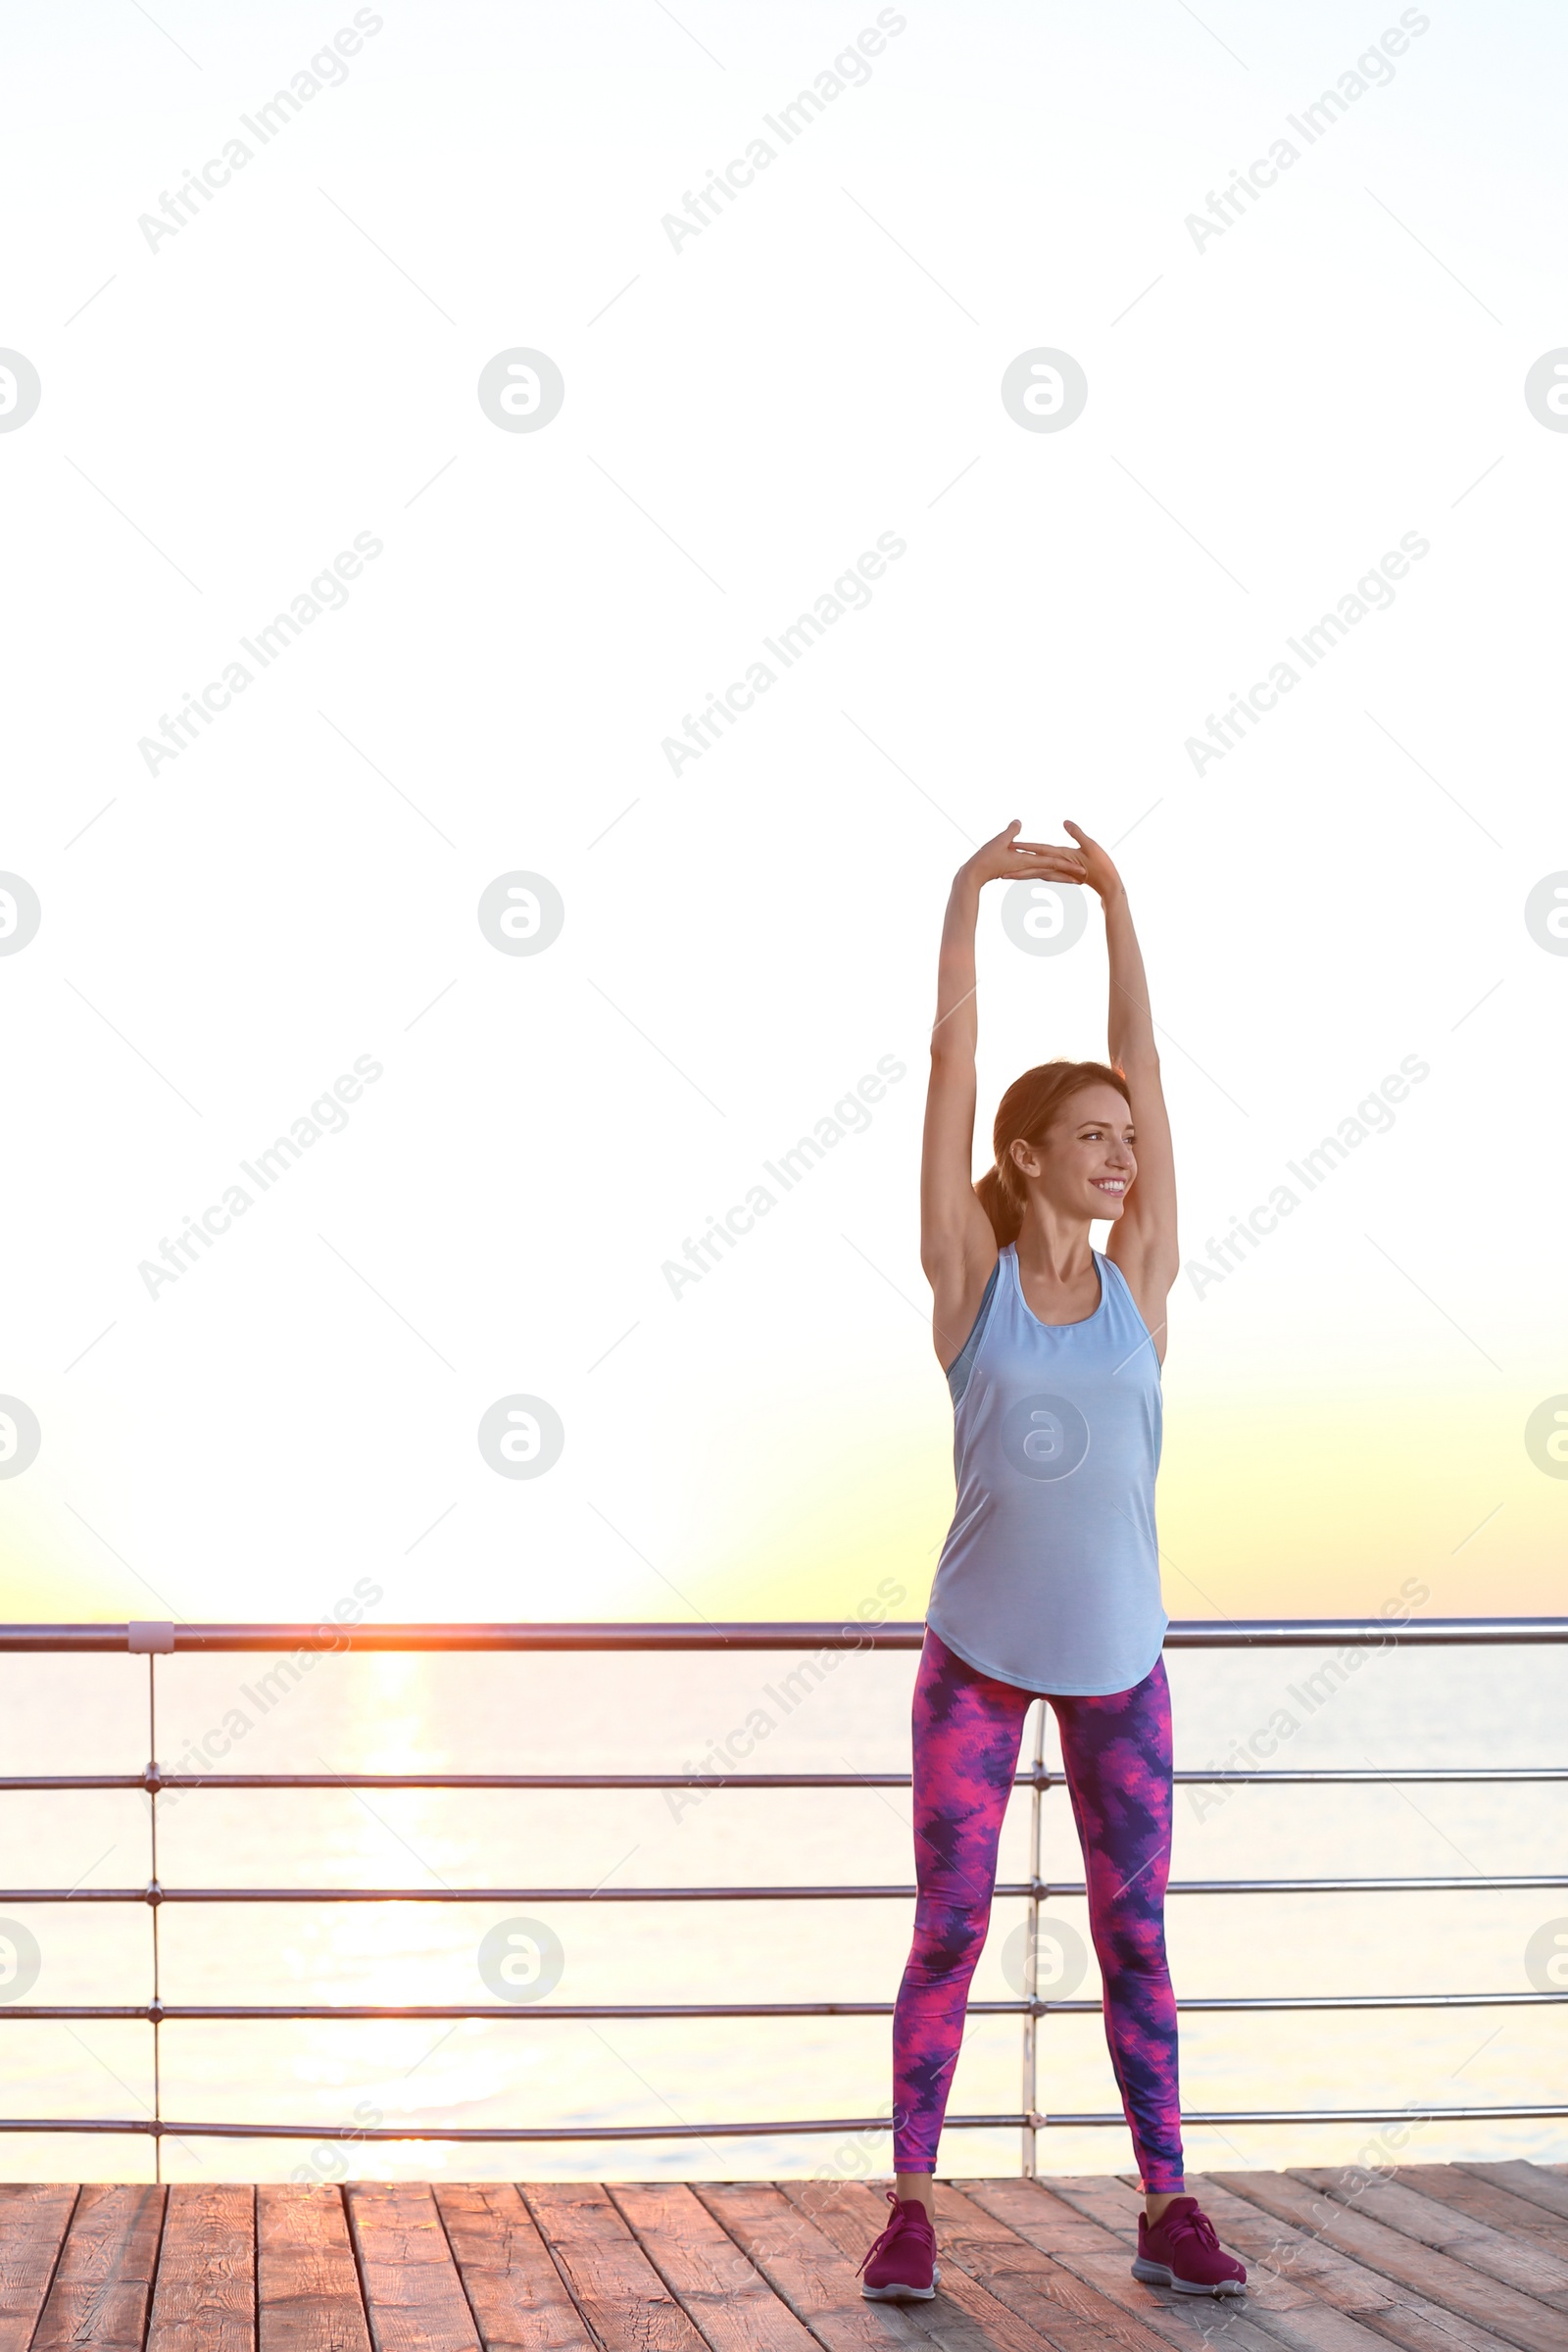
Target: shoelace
{"x":900,"y":2220}
{"x":1195,"y":2224}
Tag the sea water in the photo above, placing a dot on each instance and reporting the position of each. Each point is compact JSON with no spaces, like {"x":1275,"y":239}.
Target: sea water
{"x":629,"y":1712}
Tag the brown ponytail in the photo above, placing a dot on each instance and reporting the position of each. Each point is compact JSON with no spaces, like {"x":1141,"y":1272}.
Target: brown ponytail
{"x":1026,"y":1112}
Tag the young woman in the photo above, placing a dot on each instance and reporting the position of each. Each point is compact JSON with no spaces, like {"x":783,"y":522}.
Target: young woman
{"x":1048,"y":1581}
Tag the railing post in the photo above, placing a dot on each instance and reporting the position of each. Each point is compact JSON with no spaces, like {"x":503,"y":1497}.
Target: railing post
{"x":154,"y":1908}
{"x":1031,"y":1949}
{"x":154,"y":1636}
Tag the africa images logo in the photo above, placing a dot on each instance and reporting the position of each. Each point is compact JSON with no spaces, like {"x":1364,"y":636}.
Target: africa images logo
{"x":1044,"y":1436}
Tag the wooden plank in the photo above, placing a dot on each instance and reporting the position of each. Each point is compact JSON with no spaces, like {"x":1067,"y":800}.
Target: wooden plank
{"x":723,"y":2295}
{"x":1517,"y":2318}
{"x":1281,"y":2258}
{"x":1428,"y":2221}
{"x":1537,"y":2183}
{"x":852,"y":2215}
{"x":1285,"y":2308}
{"x":308,"y":2289}
{"x":205,"y":2296}
{"x":413,"y":2298}
{"x":1266,"y":2244}
{"x":616,"y":2288}
{"x":1039,"y":2284}
{"x":1103,"y":2199}
{"x":104,"y":2278}
{"x":984,"y":2256}
{"x":1093,"y":2240}
{"x":806,"y":2268}
{"x":33,"y":2226}
{"x":1485,"y":2201}
{"x":514,"y":2290}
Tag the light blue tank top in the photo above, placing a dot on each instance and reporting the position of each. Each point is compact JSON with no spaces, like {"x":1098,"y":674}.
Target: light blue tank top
{"x":1049,"y":1575}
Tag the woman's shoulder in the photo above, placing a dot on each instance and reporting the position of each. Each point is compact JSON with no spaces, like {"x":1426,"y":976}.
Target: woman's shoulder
{"x":1111,"y":1273}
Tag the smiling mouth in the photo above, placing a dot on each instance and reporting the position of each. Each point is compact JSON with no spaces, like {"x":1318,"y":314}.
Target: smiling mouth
{"x":1110,"y":1184}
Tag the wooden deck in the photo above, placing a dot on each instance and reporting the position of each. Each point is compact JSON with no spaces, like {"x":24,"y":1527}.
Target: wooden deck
{"x":1441,"y":2258}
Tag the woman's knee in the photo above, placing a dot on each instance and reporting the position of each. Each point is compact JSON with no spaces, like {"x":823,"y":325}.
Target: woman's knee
{"x":1131,"y":1947}
{"x":946,"y":1945}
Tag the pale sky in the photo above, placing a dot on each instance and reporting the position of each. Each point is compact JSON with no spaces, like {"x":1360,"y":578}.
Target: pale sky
{"x":278,"y":387}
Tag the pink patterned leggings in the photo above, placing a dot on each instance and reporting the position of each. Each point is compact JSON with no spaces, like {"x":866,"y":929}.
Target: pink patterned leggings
{"x":1117,"y":1754}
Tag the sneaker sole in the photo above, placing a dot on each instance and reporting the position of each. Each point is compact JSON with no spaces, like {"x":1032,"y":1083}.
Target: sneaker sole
{"x":1160,"y":2274}
{"x":903,"y":2294}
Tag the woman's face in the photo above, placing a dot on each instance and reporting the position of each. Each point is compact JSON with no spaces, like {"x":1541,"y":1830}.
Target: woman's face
{"x":1086,"y":1165}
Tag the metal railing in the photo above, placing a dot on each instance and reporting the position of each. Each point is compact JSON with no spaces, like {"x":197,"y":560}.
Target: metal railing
{"x":155,"y":1639}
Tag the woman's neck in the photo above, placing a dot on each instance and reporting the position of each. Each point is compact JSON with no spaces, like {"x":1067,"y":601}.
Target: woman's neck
{"x":1054,"y":1248}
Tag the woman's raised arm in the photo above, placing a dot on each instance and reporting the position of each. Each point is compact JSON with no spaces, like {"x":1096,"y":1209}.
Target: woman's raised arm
{"x":957,"y":1247}
{"x":1143,"y":1242}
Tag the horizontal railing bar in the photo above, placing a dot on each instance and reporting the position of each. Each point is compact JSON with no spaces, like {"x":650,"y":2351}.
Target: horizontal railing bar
{"x":151,"y":1783}
{"x":1197,"y":1633}
{"x":186,"y":2012}
{"x":150,"y":2128}
{"x":1038,"y":1887}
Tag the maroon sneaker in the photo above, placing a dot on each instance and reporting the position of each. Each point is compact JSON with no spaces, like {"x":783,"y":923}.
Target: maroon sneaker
{"x":1181,"y":2250}
{"x":902,"y":2266}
